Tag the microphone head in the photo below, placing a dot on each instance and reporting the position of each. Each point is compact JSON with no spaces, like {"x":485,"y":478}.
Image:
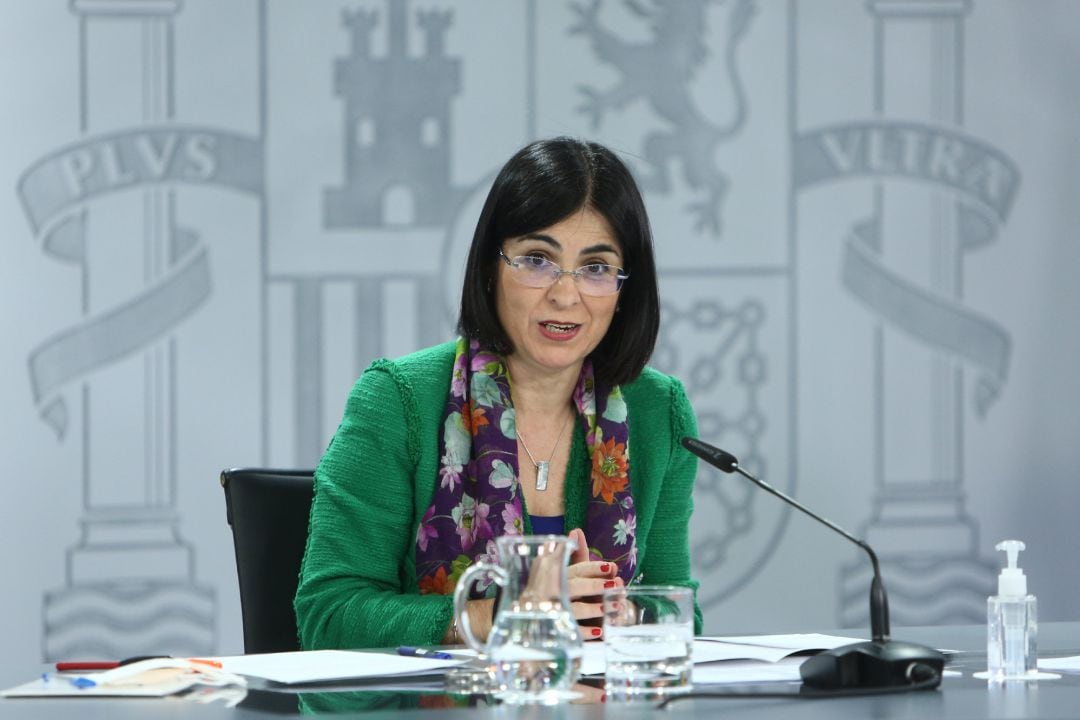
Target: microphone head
{"x":713,"y":455}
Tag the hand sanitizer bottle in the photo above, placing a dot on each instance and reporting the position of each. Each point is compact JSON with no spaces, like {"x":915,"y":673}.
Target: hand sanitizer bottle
{"x":1011,"y":622}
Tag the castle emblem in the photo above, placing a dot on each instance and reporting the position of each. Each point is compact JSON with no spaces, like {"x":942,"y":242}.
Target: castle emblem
{"x":396,"y":124}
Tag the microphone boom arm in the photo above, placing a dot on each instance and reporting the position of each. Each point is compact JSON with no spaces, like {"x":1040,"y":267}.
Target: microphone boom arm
{"x":879,"y":601}
{"x":876,"y":665}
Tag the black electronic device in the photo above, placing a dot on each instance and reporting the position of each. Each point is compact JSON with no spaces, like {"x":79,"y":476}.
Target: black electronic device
{"x":878,"y":663}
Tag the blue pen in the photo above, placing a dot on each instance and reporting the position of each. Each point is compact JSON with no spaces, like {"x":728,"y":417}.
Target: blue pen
{"x":423,"y":652}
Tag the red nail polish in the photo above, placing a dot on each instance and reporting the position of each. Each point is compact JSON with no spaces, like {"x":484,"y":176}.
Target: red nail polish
{"x":595,"y":632}
{"x":609,"y":583}
{"x":605,"y":567}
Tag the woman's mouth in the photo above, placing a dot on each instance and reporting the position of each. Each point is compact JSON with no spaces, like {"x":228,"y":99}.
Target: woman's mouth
{"x":559,"y":331}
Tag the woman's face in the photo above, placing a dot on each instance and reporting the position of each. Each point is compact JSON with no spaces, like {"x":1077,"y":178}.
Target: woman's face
{"x":556,"y":327}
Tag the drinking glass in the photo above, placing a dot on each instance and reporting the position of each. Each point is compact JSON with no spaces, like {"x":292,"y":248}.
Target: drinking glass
{"x":648,"y":640}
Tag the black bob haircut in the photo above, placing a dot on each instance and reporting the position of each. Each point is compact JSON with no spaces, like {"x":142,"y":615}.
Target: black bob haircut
{"x":543,"y":183}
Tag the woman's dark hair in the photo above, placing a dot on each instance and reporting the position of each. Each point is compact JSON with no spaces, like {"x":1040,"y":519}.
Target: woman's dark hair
{"x":540,"y":185}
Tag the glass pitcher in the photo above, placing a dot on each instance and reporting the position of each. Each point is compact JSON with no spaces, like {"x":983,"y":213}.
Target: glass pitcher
{"x":534,"y":644}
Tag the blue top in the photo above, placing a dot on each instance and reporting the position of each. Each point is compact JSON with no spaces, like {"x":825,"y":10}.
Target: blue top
{"x":547,"y":524}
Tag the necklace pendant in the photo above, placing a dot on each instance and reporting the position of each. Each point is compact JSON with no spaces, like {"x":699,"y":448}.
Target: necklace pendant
{"x":541,"y":475}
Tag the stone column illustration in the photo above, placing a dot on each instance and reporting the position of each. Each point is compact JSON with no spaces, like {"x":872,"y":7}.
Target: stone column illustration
{"x":919,"y":235}
{"x":130,"y":579}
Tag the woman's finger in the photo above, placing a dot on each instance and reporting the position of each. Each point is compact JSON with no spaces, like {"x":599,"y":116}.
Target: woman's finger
{"x":589,"y":695}
{"x":591,"y":587}
{"x":586,"y":610}
{"x":581,"y":552}
{"x":593,"y":568}
{"x":590,"y":633}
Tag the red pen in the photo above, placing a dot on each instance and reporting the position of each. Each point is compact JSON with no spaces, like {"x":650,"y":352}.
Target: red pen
{"x":81,"y":665}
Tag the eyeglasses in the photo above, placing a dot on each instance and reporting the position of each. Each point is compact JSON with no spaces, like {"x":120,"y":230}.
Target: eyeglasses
{"x":536,"y":271}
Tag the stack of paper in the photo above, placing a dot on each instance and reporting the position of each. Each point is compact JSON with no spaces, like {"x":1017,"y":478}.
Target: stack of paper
{"x":761,"y":658}
{"x":153,"y":677}
{"x":757,"y":658}
{"x":318,"y":666}
{"x":1069,"y":664}
{"x":740,"y":659}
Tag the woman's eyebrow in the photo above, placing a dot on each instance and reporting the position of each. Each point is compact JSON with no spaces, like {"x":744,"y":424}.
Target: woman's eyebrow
{"x":547,"y":239}
{"x":599,"y":248}
{"x":542,"y":238}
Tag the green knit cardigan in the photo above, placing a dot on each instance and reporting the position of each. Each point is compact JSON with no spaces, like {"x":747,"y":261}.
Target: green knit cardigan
{"x":358,"y":586}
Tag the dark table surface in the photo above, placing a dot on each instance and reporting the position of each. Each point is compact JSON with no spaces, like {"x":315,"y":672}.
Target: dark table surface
{"x":960,"y":696}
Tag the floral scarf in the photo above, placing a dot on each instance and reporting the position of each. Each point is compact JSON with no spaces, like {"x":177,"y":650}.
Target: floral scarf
{"x":478,"y":496}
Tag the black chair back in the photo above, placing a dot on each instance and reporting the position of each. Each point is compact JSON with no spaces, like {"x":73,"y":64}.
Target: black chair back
{"x":268,"y":511}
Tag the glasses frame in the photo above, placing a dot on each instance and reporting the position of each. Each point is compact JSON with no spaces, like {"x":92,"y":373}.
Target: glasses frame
{"x":557,"y":272}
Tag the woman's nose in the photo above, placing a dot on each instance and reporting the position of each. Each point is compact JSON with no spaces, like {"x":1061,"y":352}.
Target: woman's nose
{"x":564,"y":290}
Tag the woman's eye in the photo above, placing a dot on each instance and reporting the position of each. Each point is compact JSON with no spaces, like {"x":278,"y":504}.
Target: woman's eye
{"x":597,"y":269}
{"x":534,"y":261}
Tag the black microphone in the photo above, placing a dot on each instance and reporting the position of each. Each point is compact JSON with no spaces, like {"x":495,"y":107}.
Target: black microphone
{"x":880,"y":663}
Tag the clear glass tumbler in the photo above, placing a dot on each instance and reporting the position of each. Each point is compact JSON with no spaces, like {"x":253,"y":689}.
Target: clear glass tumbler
{"x":648,"y":641}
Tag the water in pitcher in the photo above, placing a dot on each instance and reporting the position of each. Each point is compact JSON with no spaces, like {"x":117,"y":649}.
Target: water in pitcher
{"x":531,"y":654}
{"x":534,"y":646}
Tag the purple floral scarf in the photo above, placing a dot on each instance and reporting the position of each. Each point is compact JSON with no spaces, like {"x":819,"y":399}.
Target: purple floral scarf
{"x":478,"y":496}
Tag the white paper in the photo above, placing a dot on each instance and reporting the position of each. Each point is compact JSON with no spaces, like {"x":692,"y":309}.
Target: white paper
{"x":322,"y":665}
{"x":53,"y":685}
{"x":769,"y":648}
{"x":747,"y":671}
{"x":592,"y":661}
{"x":57,"y":686}
{"x":153,"y":677}
{"x":791,"y":641}
{"x":765,"y":648}
{"x":1069,"y":664}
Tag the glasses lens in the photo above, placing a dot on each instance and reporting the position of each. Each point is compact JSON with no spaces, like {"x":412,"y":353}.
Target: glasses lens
{"x":538,"y":272}
{"x":533,"y":270}
{"x":599,"y":279}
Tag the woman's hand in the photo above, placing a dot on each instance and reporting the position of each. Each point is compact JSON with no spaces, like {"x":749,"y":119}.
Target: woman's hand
{"x":479,"y":612}
{"x":587,"y":581}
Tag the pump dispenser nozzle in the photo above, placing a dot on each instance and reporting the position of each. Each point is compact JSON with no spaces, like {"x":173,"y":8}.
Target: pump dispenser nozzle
{"x":1011,"y":581}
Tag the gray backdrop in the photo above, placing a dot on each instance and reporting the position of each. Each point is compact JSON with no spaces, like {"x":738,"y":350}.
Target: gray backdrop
{"x":216,"y":214}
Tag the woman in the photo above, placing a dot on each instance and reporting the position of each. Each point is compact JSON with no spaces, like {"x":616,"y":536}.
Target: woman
{"x":522,"y":426}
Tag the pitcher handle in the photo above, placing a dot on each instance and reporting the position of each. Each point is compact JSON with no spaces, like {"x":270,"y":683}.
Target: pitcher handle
{"x":461,"y":594}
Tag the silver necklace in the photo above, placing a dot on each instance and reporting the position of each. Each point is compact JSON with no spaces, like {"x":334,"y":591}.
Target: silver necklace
{"x":544,"y":466}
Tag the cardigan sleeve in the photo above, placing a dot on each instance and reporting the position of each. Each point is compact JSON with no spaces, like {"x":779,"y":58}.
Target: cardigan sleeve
{"x":354,"y":586}
{"x":667,"y":561}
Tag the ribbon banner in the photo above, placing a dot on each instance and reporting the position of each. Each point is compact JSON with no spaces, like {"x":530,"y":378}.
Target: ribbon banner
{"x":941,"y":323}
{"x":984,"y":178}
{"x":55,"y":192}
{"x":58,"y":183}
{"x":985,"y":181}
{"x":920,"y":152}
